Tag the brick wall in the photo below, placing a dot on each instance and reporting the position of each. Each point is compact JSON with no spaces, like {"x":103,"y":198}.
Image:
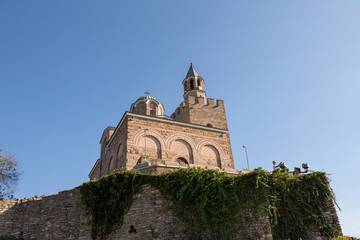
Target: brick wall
{"x":113,"y":153}
{"x":196,"y":111}
{"x":167,"y":141}
{"x":174,"y":141}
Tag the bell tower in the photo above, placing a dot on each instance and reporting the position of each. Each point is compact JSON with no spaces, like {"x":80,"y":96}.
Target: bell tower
{"x":194,"y":86}
{"x":196,"y":108}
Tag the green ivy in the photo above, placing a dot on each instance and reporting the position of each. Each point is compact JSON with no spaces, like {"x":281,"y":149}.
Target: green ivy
{"x":300,"y":201}
{"x":214,"y":202}
{"x":107,"y":200}
{"x":10,"y":237}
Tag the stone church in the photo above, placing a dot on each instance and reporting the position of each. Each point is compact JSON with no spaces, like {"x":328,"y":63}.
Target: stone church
{"x":145,"y":139}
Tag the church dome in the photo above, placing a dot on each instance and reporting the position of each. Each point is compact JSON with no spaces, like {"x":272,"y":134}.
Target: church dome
{"x":147,"y":105}
{"x":147,"y":98}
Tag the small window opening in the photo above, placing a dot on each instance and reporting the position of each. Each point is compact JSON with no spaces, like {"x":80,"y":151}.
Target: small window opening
{"x":140,"y":108}
{"x":185,"y":86}
{"x":209,"y":125}
{"x":152,"y":109}
{"x":192,"y":84}
{"x":182,"y":161}
{"x":132,"y":229}
{"x":199,"y":85}
{"x":109,"y":166}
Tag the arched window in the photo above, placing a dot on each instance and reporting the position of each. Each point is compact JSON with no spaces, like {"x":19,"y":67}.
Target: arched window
{"x":140,"y":108}
{"x":152,"y":109}
{"x":210,"y":156}
{"x":103,"y":147}
{"x":192,"y":84}
{"x":119,"y":151}
{"x":209,"y":125}
{"x":153,"y":147}
{"x":182,"y":161}
{"x":110,"y":166}
{"x":199,"y":85}
{"x":185,"y":86}
{"x":181,"y":148}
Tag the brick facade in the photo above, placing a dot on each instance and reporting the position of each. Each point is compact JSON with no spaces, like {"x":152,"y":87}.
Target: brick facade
{"x":167,"y":141}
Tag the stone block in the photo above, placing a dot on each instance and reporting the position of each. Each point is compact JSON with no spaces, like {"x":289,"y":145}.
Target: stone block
{"x":219,"y":103}
{"x":210,"y":102}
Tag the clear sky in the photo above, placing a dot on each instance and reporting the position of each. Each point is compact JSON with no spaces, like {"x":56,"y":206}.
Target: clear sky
{"x":288,"y":72}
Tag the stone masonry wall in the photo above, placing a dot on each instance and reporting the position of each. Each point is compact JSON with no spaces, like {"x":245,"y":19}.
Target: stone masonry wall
{"x":59,"y":217}
{"x":113,"y":156}
{"x":196,"y":110}
{"x":167,"y":141}
{"x":332,"y":217}
{"x":199,"y":146}
{"x":210,"y":113}
{"x":50,"y":217}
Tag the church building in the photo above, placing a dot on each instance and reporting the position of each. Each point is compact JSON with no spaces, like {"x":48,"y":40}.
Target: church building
{"x":196,"y":135}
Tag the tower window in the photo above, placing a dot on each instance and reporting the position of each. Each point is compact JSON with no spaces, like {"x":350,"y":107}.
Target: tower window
{"x":191,"y":84}
{"x":199,"y":85}
{"x":185,"y":86}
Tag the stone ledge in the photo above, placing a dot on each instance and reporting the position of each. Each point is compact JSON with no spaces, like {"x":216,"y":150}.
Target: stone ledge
{"x":148,"y":166}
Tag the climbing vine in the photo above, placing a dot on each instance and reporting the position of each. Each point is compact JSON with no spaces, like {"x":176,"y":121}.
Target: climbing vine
{"x":213,"y":203}
{"x":107,"y":200}
{"x":300,"y":201}
{"x":211,"y":200}
{"x":10,"y":237}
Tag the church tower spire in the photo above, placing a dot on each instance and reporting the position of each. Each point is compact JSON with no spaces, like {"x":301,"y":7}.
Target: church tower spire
{"x":196,"y":108}
{"x":194,"y":85}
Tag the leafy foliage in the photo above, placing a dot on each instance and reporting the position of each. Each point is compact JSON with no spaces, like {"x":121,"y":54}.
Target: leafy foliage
{"x":107,"y":200}
{"x":212,"y":200}
{"x":9,"y":175}
{"x":345,"y":238}
{"x":300,"y":201}
{"x":10,"y":237}
{"x":216,"y":203}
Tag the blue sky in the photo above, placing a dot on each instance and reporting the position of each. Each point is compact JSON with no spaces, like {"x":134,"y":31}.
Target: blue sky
{"x":288,"y":72}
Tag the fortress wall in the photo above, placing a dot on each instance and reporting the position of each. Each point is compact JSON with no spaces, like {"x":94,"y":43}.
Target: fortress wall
{"x":58,"y":217}
{"x":332,"y":217}
{"x":209,"y":113}
{"x":195,"y":110}
{"x":51,"y":217}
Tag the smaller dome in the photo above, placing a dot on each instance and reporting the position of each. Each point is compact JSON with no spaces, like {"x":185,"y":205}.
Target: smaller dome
{"x":147,"y":98}
{"x":147,"y":105}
